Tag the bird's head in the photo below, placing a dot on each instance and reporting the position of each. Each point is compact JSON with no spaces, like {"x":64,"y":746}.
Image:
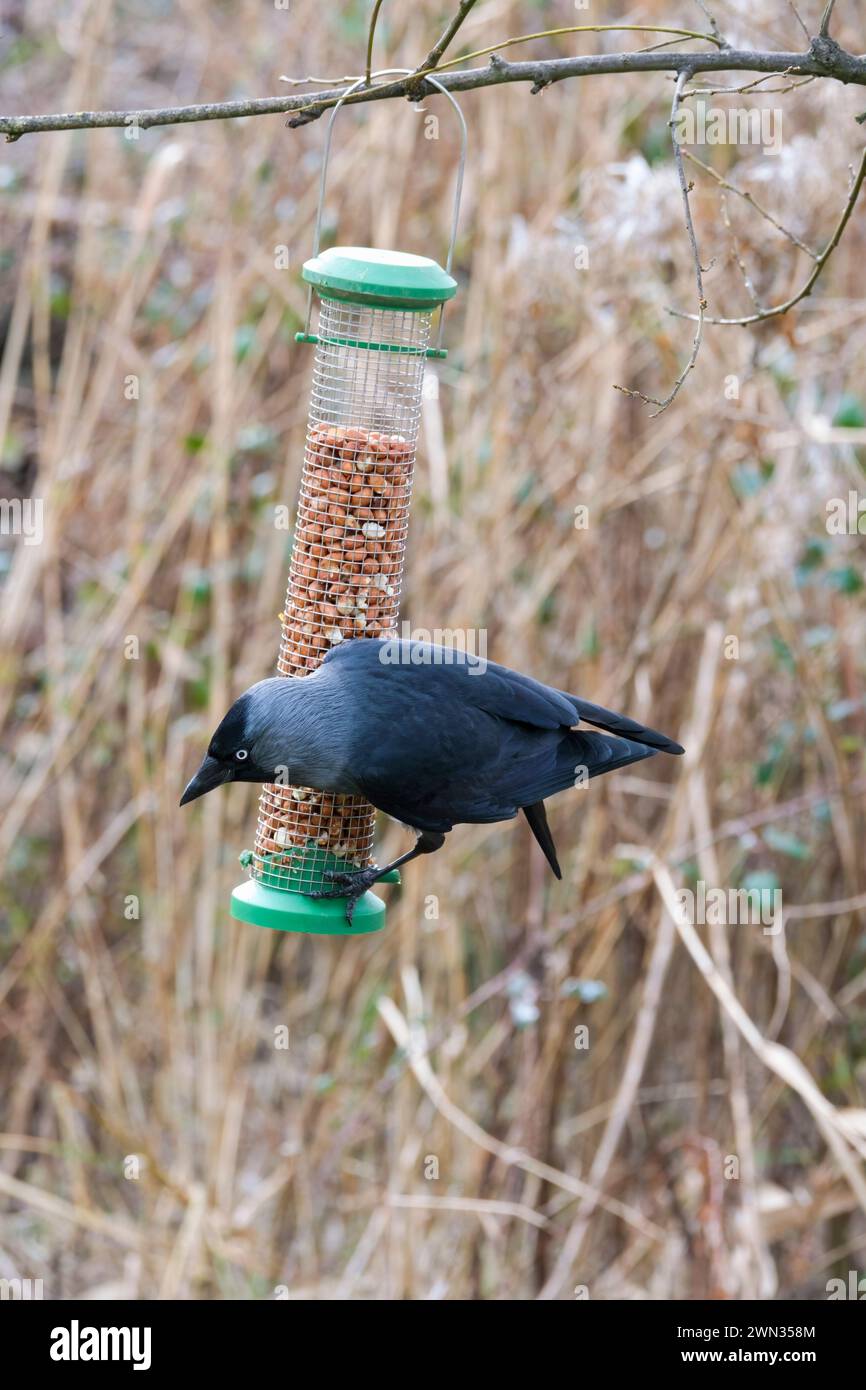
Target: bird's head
{"x":246,"y":744}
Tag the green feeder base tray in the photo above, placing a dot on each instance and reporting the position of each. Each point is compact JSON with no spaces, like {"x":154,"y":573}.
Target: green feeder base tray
{"x":273,"y":899}
{"x":284,"y":910}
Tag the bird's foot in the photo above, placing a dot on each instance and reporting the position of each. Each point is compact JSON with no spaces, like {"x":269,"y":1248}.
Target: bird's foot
{"x":351,"y":886}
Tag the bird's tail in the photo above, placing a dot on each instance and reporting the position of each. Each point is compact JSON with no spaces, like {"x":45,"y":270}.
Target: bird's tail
{"x":624,"y":727}
{"x":537,"y":817}
{"x":580,"y":756}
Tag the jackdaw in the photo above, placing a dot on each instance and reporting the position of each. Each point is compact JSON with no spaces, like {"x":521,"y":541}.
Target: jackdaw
{"x":432,"y":736}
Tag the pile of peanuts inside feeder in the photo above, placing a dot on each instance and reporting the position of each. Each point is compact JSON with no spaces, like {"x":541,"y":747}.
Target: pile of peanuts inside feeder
{"x":344,"y":582}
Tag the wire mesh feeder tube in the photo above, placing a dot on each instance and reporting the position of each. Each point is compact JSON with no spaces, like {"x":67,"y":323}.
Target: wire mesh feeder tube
{"x":347,"y":559}
{"x":344,"y":583}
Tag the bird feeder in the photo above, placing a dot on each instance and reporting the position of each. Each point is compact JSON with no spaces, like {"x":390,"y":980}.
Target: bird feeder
{"x":372,"y":340}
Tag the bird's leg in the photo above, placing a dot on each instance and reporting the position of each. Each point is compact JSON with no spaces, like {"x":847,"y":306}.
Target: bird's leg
{"x":354,"y":885}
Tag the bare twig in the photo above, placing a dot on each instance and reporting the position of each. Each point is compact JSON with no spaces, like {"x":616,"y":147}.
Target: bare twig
{"x":809,"y":911}
{"x":701,"y":4}
{"x":799,"y":19}
{"x":696,"y":257}
{"x":371,"y":34}
{"x":755,"y":86}
{"x":752,"y":201}
{"x":347,"y":78}
{"x":579,"y":29}
{"x":431,"y":62}
{"x":824,"y":27}
{"x":474,"y":1206}
{"x":738,"y":256}
{"x":655,"y":47}
{"x":820,"y":261}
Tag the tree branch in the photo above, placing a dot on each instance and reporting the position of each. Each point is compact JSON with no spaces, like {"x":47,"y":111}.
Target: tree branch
{"x":824,"y":59}
{"x":415,"y":87}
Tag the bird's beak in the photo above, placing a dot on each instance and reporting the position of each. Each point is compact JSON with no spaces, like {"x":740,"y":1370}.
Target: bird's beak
{"x":212,"y":773}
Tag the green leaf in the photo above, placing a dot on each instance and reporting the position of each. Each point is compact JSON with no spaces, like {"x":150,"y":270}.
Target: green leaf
{"x":850,"y":414}
{"x":747,"y":480}
{"x":197,"y":584}
{"x":245,"y":337}
{"x":255,"y":437}
{"x":786,"y":843}
{"x":590,"y":643}
{"x":812,"y":558}
{"x":760,"y":880}
{"x":587,"y":991}
{"x":846,"y":580}
{"x":818,"y":636}
{"x":783,"y":653}
{"x":199,"y":694}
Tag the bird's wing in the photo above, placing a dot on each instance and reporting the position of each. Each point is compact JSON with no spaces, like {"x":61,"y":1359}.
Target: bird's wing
{"x":452,"y":675}
{"x":621,"y":724}
{"x":436,"y":742}
{"x":527,"y":766}
{"x":497,"y":689}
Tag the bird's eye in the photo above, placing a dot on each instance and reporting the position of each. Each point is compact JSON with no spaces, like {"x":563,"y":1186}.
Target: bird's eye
{"x":241,"y":754}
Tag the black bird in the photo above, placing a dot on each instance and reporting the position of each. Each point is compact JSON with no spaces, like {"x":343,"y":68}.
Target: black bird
{"x":432,"y":736}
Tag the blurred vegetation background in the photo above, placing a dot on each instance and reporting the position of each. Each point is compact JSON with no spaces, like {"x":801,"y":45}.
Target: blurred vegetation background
{"x":156,"y":1139}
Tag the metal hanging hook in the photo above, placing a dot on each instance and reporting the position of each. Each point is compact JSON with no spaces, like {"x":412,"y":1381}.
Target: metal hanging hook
{"x":458,"y":190}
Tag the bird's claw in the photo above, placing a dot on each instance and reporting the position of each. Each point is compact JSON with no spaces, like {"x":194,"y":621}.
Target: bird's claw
{"x":350,"y":886}
{"x":346,"y":879}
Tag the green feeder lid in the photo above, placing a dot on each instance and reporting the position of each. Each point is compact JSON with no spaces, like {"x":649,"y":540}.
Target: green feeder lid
{"x":388,"y":279}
